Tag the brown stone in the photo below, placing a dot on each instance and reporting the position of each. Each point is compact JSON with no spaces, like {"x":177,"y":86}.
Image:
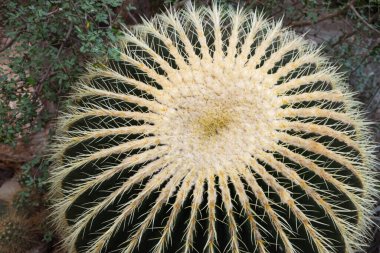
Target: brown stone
{"x":14,"y":157}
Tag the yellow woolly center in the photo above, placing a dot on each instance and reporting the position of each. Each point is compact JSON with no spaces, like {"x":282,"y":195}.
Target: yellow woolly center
{"x":213,"y":123}
{"x":218,"y":116}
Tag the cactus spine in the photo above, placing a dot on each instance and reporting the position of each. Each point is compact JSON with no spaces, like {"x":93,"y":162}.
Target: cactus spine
{"x":217,"y":131}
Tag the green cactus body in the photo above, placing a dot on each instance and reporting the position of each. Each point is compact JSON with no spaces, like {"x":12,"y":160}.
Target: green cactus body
{"x":216,"y":131}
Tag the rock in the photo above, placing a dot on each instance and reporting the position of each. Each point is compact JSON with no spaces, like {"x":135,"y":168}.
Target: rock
{"x":14,"y":157}
{"x":9,"y":189}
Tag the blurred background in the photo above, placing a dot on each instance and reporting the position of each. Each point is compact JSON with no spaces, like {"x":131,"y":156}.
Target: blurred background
{"x":46,"y":44}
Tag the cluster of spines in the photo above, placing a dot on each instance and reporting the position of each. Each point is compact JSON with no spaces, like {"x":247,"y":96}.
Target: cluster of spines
{"x":18,"y":233}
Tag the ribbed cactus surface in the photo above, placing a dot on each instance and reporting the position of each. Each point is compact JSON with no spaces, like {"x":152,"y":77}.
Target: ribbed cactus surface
{"x":216,"y":131}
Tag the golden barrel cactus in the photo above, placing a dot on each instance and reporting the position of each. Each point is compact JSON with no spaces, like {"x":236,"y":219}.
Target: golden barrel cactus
{"x":216,"y":131}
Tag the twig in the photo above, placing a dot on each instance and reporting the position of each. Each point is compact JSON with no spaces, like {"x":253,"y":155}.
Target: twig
{"x":369,"y":50}
{"x":343,"y":37}
{"x":328,"y":16}
{"x":120,"y":10}
{"x":320,"y":19}
{"x":48,"y":72}
{"x":132,"y":17}
{"x":374,"y":101}
{"x":180,"y":4}
{"x":53,"y":12}
{"x":109,"y":18}
{"x":352,"y":7}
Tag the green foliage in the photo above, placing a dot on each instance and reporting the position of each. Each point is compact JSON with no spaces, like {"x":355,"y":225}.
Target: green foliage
{"x":33,"y":179}
{"x":52,"y":40}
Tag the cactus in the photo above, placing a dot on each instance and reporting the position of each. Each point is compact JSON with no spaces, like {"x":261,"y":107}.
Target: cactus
{"x":216,"y":131}
{"x":17,"y":233}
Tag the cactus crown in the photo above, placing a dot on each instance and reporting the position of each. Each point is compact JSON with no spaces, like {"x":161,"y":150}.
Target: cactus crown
{"x":216,"y":131}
